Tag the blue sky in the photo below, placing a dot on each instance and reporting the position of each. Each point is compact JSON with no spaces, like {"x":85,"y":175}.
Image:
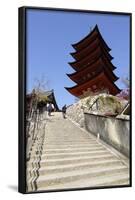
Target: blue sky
{"x":49,"y":38}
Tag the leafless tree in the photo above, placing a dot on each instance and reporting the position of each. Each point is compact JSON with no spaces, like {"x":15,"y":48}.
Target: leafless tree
{"x":41,"y":84}
{"x":39,"y":87}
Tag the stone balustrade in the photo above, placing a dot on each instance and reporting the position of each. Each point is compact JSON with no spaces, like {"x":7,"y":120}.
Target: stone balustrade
{"x":112,"y":130}
{"x":35,"y":137}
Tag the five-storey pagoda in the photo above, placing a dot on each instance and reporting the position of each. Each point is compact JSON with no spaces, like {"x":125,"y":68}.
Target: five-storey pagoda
{"x":93,"y":67}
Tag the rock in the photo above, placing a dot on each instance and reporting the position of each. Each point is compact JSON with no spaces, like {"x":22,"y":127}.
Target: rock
{"x":98,"y":104}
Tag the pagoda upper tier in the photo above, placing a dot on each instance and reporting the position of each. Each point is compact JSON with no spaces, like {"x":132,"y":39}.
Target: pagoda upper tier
{"x":90,"y":70}
{"x":77,"y":55}
{"x":93,"y":66}
{"x":89,"y":39}
{"x":90,"y":58}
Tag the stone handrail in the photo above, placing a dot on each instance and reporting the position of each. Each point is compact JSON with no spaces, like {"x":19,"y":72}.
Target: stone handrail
{"x":36,"y":134}
{"x":113,"y":131}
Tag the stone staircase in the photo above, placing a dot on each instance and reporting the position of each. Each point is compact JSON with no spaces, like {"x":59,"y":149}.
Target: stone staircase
{"x":72,"y":158}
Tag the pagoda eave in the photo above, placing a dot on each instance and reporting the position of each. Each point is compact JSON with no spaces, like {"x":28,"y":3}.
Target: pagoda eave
{"x":89,"y":69}
{"x":75,"y":65}
{"x":75,"y":56}
{"x":101,"y":78}
{"x":75,"y":45}
{"x":89,"y":48}
{"x":90,"y":58}
{"x":82,"y":43}
{"x":74,"y":76}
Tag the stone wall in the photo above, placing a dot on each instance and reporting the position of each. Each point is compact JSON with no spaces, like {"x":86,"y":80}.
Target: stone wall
{"x":98,"y":115}
{"x":75,"y":113}
{"x":114,"y":131}
{"x":98,"y":104}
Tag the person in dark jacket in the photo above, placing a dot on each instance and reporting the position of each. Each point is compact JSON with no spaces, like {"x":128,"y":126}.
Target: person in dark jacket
{"x":64,"y":108}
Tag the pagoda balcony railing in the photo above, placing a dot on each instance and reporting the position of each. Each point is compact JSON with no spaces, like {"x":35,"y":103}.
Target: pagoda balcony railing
{"x":94,"y":93}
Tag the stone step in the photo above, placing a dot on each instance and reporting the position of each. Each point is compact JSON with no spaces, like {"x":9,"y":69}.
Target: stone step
{"x":61,"y":137}
{"x":64,"y":153}
{"x":64,"y":177}
{"x":98,"y":181}
{"x":67,"y":161}
{"x":77,"y":166}
{"x":68,"y":157}
{"x":66,"y":150}
{"x":67,"y":168}
{"x":64,"y":146}
{"x":66,"y":142}
{"x":57,"y":161}
{"x":67,"y":139}
{"x":61,"y":142}
{"x":72,"y":155}
{"x":70,"y":150}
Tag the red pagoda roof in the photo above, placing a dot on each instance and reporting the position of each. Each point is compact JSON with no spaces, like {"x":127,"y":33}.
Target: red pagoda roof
{"x":89,"y":38}
{"x":99,"y":80}
{"x":98,"y":65}
{"x":90,"y":58}
{"x":78,"y":55}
